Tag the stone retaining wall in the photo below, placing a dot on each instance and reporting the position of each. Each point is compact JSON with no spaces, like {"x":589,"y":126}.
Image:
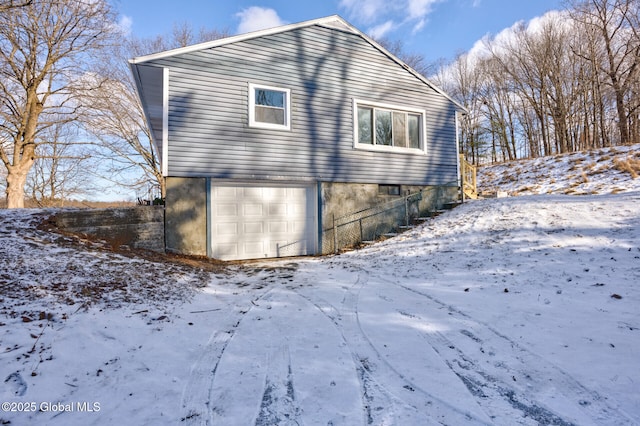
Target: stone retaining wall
{"x":137,"y":227}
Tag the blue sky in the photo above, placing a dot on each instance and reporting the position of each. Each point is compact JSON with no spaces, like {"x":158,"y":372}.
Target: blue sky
{"x":433,"y":28}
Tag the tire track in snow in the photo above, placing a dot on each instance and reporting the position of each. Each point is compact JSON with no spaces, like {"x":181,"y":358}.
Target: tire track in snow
{"x":302,"y":375}
{"x":390,"y":395}
{"x":196,"y":397}
{"x":529,"y":386}
{"x":279,"y":405}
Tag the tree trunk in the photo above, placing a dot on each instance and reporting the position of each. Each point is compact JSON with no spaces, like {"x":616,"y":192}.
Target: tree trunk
{"x":16,"y":180}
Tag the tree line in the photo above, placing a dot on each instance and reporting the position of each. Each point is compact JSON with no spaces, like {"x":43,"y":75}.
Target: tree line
{"x":567,"y":81}
{"x":69,"y":113}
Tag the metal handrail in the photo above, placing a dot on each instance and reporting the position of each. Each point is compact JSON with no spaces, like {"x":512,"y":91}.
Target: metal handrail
{"x":360,"y":215}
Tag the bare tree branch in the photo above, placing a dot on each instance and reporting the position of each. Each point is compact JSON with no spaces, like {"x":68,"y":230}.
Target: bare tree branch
{"x":46,"y":48}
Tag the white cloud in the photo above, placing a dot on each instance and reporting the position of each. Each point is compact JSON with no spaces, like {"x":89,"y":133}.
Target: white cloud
{"x":386,"y":16}
{"x":558,"y":19}
{"x":507,"y":37}
{"x":379,"y":31}
{"x":420,"y":25}
{"x":257,"y":18}
{"x":366,"y":11}
{"x":125,"y":24}
{"x":419,"y":9}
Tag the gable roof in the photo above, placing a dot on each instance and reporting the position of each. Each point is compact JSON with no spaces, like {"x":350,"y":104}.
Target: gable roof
{"x":333,"y":21}
{"x":151,"y":93}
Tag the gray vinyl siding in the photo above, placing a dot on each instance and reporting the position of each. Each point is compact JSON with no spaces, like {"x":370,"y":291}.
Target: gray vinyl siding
{"x":325,"y":69}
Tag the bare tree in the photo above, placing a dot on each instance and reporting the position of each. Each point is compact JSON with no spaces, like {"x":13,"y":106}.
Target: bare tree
{"x":615,"y":23}
{"x":5,"y":5}
{"x":415,"y":60}
{"x":62,"y":169}
{"x":567,"y":81}
{"x":46,"y":47}
{"x":464,"y":80}
{"x":117,"y":118}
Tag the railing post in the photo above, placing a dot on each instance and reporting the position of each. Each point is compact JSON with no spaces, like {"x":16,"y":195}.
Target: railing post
{"x":406,"y":211}
{"x":462,"y":178}
{"x":335,"y":235}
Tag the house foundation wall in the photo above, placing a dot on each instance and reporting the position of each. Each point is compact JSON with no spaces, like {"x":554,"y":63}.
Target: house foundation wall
{"x":186,"y":216}
{"x":352,"y":213}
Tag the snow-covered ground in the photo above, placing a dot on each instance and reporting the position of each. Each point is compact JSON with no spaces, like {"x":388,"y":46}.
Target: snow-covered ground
{"x":598,"y":171}
{"x":521,"y":310}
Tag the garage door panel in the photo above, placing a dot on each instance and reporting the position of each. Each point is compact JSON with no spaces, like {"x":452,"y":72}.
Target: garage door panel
{"x":298,"y":209}
{"x":251,"y":209}
{"x":226,"y":209}
{"x":278,"y":193}
{"x":299,"y":226}
{"x":253,"y":228}
{"x":227,"y":250}
{"x":254,"y":248}
{"x":277,"y":209}
{"x":278,"y":227}
{"x":226,"y":193}
{"x":253,"y":193}
{"x":262,"y":221}
{"x":227,"y":229}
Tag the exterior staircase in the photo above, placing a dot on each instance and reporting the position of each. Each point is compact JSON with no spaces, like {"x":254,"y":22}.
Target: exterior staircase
{"x":367,"y":226}
{"x":469,"y":178}
{"x":418,"y":221}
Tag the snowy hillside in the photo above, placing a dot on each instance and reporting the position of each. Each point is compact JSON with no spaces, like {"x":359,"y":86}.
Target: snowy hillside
{"x":511,"y":311}
{"x":606,"y":170}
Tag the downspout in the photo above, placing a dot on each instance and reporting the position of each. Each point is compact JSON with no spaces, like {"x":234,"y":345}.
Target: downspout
{"x":208,"y":224}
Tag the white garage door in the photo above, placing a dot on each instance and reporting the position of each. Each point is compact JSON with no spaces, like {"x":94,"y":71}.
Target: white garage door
{"x":251,"y":222}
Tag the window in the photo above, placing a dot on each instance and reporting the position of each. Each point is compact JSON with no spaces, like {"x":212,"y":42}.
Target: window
{"x":382,"y":127}
{"x":389,"y":189}
{"x":269,"y":107}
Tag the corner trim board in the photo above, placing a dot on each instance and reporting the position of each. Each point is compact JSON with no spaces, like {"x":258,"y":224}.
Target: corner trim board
{"x":165,"y":121}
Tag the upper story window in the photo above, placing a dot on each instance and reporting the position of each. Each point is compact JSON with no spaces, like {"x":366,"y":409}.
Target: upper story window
{"x":269,"y":107}
{"x":383,"y":127}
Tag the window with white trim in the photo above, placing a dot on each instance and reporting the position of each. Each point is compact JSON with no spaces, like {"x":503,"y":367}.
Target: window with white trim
{"x":269,"y":107}
{"x":384,"y":127}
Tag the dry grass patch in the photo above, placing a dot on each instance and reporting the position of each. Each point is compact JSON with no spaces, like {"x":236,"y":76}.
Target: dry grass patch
{"x":526,"y":188}
{"x":585,"y":178}
{"x":509,"y":178}
{"x":629,"y":165}
{"x":576,"y":164}
{"x":603,"y":168}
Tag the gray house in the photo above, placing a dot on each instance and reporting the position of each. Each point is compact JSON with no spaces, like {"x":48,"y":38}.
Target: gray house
{"x":268,"y":139}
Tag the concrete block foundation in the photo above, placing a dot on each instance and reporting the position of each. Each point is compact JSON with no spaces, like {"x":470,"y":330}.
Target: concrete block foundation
{"x":186,"y":216}
{"x":352,"y":213}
